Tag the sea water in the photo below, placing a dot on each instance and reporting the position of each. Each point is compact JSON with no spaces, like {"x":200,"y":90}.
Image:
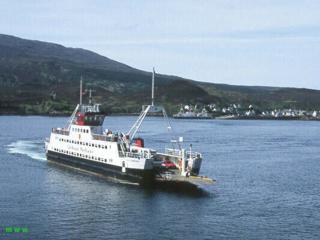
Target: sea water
{"x":267,"y":173}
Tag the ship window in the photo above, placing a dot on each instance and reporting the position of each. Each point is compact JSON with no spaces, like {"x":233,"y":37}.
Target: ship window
{"x":87,"y":144}
{"x":99,"y":146}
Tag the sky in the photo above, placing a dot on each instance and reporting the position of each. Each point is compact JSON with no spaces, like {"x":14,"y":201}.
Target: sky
{"x":242,"y":42}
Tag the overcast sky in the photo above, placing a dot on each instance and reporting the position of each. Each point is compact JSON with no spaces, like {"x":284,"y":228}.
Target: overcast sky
{"x":243,"y":42}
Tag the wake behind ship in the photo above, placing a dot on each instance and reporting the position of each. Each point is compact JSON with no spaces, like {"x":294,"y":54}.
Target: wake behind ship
{"x":84,"y":143}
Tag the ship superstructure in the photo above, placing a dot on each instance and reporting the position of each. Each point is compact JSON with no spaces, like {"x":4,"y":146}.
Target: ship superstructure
{"x":84,"y":143}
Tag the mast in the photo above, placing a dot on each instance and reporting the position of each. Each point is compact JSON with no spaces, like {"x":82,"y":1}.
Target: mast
{"x":80,"y":90}
{"x":90,"y":97}
{"x":152,"y":88}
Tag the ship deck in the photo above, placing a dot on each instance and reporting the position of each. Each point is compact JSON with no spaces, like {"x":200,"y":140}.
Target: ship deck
{"x":173,"y":180}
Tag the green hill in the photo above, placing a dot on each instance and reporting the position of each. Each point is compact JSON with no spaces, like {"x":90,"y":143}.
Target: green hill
{"x":40,"y":78}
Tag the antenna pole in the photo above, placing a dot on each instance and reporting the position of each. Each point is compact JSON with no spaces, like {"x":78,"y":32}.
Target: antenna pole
{"x":152,"y":90}
{"x":81,"y":90}
{"x":90,"y":96}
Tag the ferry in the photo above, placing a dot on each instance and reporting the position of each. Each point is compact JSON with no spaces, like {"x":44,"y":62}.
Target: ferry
{"x":187,"y":112}
{"x":84,"y":143}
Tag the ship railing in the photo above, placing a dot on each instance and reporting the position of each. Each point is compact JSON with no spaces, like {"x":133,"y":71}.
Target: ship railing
{"x":194,"y":155}
{"x":130,"y":155}
{"x":60,"y":131}
{"x":174,"y":152}
{"x":177,"y":153}
{"x":104,"y":138}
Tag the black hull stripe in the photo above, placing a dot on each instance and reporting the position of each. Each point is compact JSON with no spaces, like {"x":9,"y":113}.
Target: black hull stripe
{"x":133,"y":175}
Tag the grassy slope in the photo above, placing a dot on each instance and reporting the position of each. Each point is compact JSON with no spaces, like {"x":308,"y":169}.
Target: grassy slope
{"x":30,"y":71}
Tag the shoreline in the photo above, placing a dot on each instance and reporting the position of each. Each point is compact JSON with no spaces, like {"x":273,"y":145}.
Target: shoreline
{"x":214,"y":118}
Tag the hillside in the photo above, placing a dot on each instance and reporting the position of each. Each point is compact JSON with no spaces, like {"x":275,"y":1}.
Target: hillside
{"x":40,"y":78}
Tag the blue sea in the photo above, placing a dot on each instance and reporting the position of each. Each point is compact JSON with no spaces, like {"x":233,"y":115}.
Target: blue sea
{"x":267,"y":184}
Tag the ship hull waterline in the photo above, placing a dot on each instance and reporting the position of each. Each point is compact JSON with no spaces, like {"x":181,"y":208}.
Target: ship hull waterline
{"x":144,"y":178}
{"x":141,"y":177}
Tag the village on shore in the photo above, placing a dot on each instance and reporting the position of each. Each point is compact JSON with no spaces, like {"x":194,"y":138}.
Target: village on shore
{"x":237,"y":111}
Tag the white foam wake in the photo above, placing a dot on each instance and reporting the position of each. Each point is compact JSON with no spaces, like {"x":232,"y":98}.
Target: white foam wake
{"x":33,"y":149}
